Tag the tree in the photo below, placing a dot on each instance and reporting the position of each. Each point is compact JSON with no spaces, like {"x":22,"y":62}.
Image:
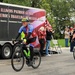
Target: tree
{"x":1,"y":0}
{"x":60,"y":10}
{"x":19,"y":2}
{"x":44,"y":4}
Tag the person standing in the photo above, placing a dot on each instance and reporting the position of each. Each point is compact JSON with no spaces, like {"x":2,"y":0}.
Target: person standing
{"x":66,"y":36}
{"x":71,"y":33}
{"x":41,"y":37}
{"x":48,"y":38}
{"x":72,"y":42}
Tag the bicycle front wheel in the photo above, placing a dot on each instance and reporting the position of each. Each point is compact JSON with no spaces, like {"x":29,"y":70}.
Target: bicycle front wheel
{"x":36,"y":60}
{"x":17,"y":60}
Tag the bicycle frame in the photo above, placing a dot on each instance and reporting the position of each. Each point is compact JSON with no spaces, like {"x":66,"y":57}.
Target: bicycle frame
{"x":20,"y":43}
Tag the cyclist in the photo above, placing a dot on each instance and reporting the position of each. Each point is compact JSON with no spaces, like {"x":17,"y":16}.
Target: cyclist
{"x":27,"y":34}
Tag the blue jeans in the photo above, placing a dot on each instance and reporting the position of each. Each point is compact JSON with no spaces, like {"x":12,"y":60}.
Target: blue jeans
{"x":66,"y":42}
{"x":47,"y":46}
{"x":72,"y":46}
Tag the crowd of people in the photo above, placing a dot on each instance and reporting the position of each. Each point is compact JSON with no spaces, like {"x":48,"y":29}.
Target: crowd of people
{"x":70,"y":37}
{"x":44,"y":35}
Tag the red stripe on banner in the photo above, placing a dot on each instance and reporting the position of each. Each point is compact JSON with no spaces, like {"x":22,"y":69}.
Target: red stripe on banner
{"x":36,"y":29}
{"x":39,"y":14}
{"x":37,"y":21}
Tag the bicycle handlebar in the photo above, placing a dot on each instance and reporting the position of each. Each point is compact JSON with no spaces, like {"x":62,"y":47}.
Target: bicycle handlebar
{"x":16,"y":41}
{"x":19,"y":42}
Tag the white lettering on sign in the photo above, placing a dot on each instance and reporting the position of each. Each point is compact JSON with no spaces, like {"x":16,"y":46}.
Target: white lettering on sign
{"x":4,"y":15}
{"x":6,"y":10}
{"x":16,"y":16}
{"x":15,"y":13}
{"x":18,"y":12}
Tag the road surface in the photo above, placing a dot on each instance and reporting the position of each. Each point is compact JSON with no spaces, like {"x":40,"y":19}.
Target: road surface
{"x":56,"y":64}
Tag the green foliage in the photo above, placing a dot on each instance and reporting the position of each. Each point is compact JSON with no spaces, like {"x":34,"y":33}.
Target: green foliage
{"x":61,"y":43}
{"x":19,"y":2}
{"x":44,"y":4}
{"x":59,"y":12}
{"x":1,"y":0}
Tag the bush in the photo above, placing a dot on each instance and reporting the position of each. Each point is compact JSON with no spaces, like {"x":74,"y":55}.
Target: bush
{"x":61,"y":42}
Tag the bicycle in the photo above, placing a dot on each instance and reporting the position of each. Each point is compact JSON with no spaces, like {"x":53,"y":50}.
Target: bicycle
{"x":19,"y":57}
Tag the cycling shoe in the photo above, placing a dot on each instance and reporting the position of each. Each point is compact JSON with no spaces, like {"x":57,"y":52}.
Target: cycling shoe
{"x":29,"y":63}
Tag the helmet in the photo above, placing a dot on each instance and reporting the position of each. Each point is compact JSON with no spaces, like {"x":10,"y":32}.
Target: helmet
{"x":25,"y":20}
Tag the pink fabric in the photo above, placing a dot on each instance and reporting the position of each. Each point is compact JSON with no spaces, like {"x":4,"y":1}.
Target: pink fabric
{"x":41,"y":34}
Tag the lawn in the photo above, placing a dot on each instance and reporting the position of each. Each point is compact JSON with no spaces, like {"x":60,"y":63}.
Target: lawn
{"x":61,"y":42}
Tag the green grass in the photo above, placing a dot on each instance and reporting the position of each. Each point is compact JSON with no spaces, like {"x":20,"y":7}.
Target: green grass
{"x":61,"y":42}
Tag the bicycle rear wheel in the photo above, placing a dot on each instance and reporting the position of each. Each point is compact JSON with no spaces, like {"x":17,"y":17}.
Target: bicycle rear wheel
{"x":17,"y":60}
{"x":74,"y":52}
{"x":36,"y":60}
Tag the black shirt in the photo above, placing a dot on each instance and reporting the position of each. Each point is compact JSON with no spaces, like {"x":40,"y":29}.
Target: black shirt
{"x":48,"y":35}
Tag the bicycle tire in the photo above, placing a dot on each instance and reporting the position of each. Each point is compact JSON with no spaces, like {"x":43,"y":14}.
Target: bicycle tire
{"x":74,"y":53}
{"x":36,"y":54}
{"x":19,"y":55}
{"x":17,"y":47}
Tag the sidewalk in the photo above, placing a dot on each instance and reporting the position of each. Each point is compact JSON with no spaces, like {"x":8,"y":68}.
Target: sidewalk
{"x":65,"y":48}
{"x":59,"y":50}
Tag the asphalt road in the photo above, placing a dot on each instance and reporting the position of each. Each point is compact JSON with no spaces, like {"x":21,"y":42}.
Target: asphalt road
{"x":56,"y":64}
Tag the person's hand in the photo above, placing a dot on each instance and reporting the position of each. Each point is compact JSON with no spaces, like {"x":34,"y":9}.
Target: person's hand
{"x":13,"y":41}
{"x":53,"y":31}
{"x":72,"y":40}
{"x":24,"y":41}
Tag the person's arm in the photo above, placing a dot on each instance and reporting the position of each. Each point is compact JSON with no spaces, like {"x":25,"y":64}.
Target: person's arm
{"x":50,"y":33}
{"x":30,"y":30}
{"x":73,"y":36}
{"x":17,"y":36}
{"x":29,"y":33}
{"x":41,"y":33}
{"x":19,"y":32}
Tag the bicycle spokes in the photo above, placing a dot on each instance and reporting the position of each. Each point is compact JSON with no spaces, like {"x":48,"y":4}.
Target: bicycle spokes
{"x":17,"y":60}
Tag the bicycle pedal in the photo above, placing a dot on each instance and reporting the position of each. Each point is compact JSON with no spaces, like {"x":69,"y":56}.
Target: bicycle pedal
{"x":28,"y":57}
{"x":29,"y":63}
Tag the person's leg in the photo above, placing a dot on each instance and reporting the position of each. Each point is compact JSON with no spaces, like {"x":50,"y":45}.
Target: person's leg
{"x":42,"y":42}
{"x":47,"y":45}
{"x":71,"y":46}
{"x":66,"y":42}
{"x":25,"y":51}
{"x":30,"y":41}
{"x":31,"y":53}
{"x":29,"y":61}
{"x":43,"y":45}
